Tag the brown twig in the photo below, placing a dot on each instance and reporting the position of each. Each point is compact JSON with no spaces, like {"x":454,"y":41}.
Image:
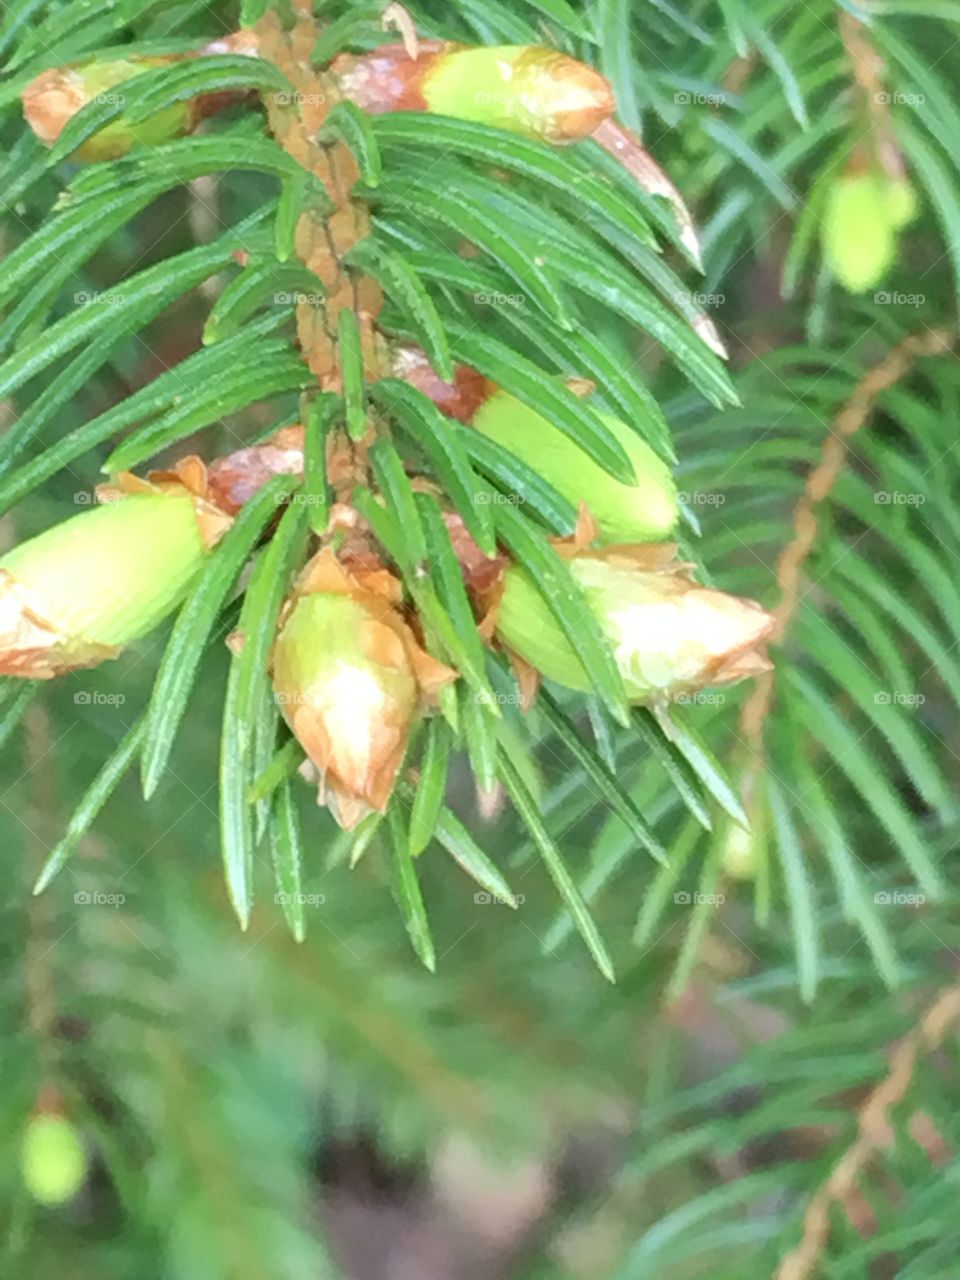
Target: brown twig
{"x":321,"y":239}
{"x":895,"y":365}
{"x":874,"y":1135}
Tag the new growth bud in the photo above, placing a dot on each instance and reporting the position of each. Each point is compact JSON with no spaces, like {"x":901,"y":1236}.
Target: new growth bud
{"x":55,"y":97}
{"x":75,"y":595}
{"x":53,"y":1163}
{"x":668,"y":634}
{"x":644,"y":511}
{"x":350,"y":677}
{"x":863,"y":215}
{"x":538,"y":92}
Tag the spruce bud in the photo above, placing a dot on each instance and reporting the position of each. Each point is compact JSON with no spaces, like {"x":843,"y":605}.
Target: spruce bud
{"x":859,"y":230}
{"x":350,"y":676}
{"x":52,"y":1160}
{"x":538,"y":92}
{"x":55,"y":97}
{"x":668,"y":634}
{"x":644,"y":511}
{"x":76,"y":594}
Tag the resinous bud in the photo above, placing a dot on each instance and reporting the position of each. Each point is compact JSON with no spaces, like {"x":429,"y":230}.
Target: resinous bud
{"x":55,"y":97}
{"x":76,"y":594}
{"x":668,"y":634}
{"x":53,"y":1163}
{"x":350,"y":676}
{"x":526,"y":89}
{"x":645,"y":511}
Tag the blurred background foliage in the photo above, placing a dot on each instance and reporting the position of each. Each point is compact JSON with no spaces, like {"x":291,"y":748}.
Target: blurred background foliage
{"x":252,"y":1108}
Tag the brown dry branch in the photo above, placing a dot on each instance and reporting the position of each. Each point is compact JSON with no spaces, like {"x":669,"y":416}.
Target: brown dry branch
{"x":875,"y":1133}
{"x":895,"y":366}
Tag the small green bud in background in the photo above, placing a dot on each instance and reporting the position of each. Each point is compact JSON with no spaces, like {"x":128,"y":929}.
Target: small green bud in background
{"x":53,"y":1163}
{"x":645,"y":511}
{"x":668,"y":634}
{"x":741,"y":853}
{"x":79,"y":592}
{"x":859,"y":235}
{"x":55,"y":97}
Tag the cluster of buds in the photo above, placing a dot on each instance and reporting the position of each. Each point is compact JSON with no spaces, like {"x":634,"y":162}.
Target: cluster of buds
{"x":349,"y":667}
{"x":524,"y":88}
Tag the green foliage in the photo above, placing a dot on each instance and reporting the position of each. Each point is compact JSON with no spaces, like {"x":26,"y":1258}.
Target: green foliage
{"x":149,"y":301}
